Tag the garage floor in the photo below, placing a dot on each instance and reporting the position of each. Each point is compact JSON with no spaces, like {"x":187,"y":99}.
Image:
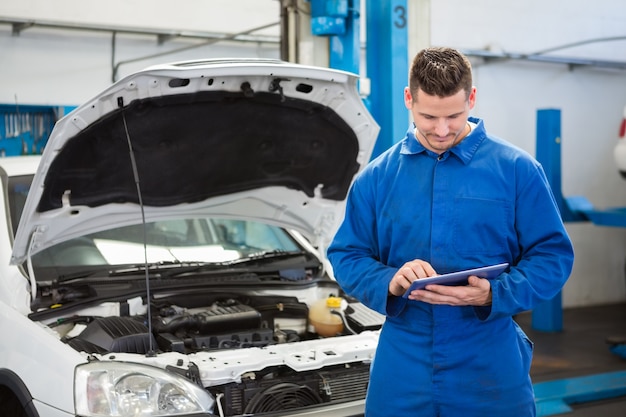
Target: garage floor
{"x":580,"y":350}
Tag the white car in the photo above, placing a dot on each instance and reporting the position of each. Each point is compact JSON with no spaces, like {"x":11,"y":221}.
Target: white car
{"x":170,"y":254}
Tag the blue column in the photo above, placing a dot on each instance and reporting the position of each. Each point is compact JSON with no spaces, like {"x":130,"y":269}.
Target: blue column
{"x":387,"y":68}
{"x":548,"y":316}
{"x":345,"y":49}
{"x":339,"y":20}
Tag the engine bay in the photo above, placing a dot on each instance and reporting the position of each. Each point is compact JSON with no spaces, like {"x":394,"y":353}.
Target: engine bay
{"x":233,"y":332}
{"x":196,"y":323}
{"x":224,"y":324}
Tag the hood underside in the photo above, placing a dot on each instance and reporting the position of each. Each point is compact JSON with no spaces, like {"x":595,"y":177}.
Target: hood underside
{"x":264,"y":140}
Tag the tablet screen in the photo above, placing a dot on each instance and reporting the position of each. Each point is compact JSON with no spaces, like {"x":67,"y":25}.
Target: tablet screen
{"x":458,"y":278}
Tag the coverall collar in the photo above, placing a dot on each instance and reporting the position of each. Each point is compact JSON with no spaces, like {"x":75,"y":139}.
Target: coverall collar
{"x":464,"y":150}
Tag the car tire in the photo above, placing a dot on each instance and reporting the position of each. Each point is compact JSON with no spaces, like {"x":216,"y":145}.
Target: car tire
{"x":10,"y":404}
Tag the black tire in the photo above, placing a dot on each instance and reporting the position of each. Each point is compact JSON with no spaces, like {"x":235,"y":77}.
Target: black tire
{"x":10,"y":405}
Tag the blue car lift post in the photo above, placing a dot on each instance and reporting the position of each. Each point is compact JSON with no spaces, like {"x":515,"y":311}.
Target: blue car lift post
{"x":555,"y":397}
{"x":387,"y":60}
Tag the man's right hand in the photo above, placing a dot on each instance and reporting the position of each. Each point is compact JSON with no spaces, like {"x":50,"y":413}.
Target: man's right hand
{"x":408,"y":273}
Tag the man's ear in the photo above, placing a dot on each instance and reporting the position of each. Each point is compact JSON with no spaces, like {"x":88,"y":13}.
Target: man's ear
{"x":472,"y":98}
{"x":408,"y":98}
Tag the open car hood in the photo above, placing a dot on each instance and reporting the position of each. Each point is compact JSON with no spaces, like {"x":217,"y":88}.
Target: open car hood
{"x":248,"y":139}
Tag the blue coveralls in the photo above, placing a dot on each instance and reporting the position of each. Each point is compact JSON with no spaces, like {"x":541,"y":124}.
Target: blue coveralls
{"x":483,"y":202}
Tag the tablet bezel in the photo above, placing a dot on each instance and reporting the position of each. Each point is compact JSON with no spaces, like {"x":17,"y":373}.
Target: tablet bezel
{"x":457,"y":278}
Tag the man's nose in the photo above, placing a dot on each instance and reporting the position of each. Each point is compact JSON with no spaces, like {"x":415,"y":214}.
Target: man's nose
{"x":441,"y":128}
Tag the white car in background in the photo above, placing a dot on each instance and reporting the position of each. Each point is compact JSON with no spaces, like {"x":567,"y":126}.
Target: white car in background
{"x":170,"y":254}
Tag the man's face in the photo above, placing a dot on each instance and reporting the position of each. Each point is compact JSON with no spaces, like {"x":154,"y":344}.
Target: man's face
{"x":441,"y":122}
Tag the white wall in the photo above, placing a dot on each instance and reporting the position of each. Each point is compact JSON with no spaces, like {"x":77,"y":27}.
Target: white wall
{"x":591,"y":104}
{"x":221,"y":16}
{"x":48,"y":66}
{"x":591,"y":101}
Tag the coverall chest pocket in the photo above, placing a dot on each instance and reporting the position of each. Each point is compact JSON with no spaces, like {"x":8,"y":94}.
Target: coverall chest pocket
{"x":480,"y":226}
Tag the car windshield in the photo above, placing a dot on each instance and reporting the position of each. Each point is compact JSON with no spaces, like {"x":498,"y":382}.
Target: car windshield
{"x":169,"y":241}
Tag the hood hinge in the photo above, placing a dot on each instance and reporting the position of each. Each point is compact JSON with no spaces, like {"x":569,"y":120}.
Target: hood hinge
{"x":34,"y":237}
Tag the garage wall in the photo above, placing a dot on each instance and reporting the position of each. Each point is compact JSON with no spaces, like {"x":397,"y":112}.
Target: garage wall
{"x":591,"y":100}
{"x":218,"y":16}
{"x":42,"y":65}
{"x":66,"y":67}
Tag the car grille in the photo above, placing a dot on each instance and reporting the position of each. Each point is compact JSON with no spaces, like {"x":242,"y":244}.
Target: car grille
{"x":286,"y":390}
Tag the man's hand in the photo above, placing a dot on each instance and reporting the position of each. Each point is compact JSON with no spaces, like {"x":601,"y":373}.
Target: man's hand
{"x":476,"y":293}
{"x":408,"y":273}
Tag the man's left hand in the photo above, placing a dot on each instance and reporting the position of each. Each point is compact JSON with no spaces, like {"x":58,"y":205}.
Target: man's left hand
{"x":476,"y":293}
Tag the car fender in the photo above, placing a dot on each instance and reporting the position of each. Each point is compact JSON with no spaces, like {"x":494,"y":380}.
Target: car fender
{"x":14,"y":384}
{"x":36,"y":357}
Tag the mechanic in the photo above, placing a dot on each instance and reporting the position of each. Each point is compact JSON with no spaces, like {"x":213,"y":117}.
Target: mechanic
{"x":450,"y":197}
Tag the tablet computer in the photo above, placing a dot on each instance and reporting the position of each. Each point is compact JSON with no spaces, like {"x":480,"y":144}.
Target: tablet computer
{"x":458,"y":278}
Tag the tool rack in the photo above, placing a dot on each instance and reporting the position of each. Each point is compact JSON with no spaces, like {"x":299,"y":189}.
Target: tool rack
{"x":24,"y":129}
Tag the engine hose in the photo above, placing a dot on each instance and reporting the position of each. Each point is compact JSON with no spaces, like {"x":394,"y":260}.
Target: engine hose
{"x":343,"y":319}
{"x":218,"y":400}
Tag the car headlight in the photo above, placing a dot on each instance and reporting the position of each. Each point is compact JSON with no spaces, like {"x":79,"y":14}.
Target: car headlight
{"x":130,"y":389}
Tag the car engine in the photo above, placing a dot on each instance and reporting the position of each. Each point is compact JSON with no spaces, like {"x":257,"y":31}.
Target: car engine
{"x":229,"y":322}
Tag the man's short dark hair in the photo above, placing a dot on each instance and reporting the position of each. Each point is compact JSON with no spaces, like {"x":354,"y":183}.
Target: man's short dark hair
{"x":441,"y":72}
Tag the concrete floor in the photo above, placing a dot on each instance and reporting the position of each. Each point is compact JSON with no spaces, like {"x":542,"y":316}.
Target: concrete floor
{"x":580,"y":350}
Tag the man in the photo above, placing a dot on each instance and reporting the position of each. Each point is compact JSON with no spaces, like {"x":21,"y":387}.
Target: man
{"x":450,"y":197}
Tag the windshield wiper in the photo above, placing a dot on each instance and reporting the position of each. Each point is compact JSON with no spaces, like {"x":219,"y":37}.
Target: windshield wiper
{"x":161,"y":266}
{"x":267,"y":255}
{"x":168,"y":269}
{"x":83,"y":273}
{"x":122,"y":270}
{"x":253,"y":258}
